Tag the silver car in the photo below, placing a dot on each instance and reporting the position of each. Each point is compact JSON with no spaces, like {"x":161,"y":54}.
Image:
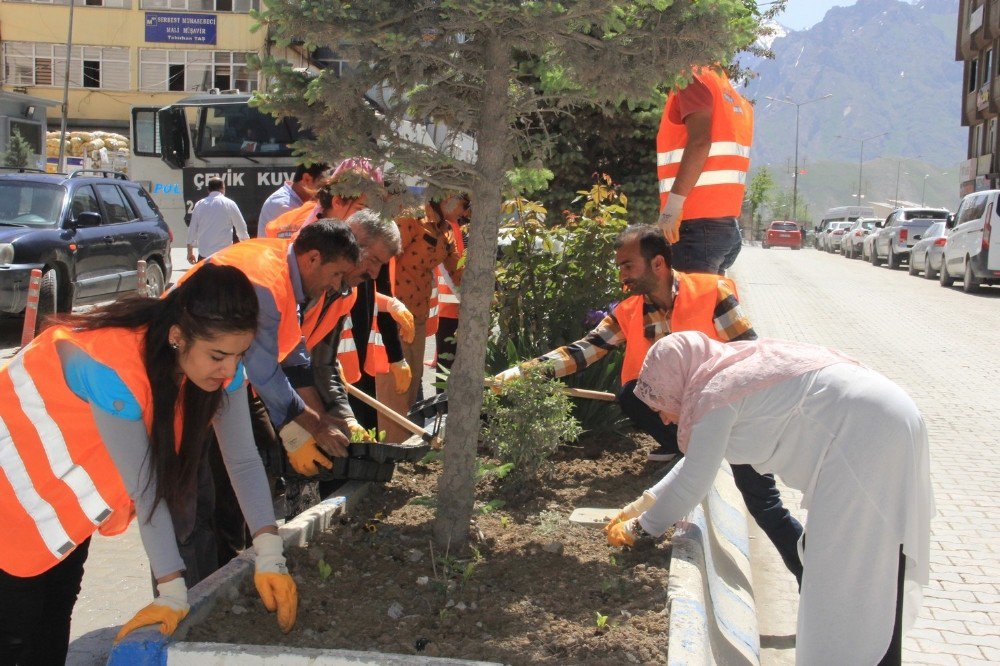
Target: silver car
{"x":850,"y":246}
{"x":928,"y":253}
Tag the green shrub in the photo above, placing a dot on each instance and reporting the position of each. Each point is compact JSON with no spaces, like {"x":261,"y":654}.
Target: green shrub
{"x":526,"y":423}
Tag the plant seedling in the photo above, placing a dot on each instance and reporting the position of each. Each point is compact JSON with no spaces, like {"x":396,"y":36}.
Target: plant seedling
{"x":491,"y":506}
{"x":602,"y":621}
{"x":324,"y":569}
{"x":505,"y":521}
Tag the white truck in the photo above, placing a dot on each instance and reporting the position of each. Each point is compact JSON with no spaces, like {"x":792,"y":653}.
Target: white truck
{"x":971,"y":254}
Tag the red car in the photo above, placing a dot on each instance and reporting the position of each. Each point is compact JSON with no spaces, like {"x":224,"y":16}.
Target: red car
{"x":783,"y":234}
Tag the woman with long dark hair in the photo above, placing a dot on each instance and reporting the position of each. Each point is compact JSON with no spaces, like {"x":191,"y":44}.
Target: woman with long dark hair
{"x":104,"y":417}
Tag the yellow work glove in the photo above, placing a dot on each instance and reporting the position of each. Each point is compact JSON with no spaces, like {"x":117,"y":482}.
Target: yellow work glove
{"x":274,"y":584}
{"x":620,"y":534}
{"x":358,"y":432}
{"x":670,"y":219}
{"x":508,"y":375}
{"x":401,"y":375}
{"x":632,"y":510}
{"x":303,"y":454}
{"x":167,"y":610}
{"x":403,"y":318}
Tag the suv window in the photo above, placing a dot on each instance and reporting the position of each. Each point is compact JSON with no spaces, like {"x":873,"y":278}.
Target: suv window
{"x":117,"y":207}
{"x":972,"y":208}
{"x":84,"y":201}
{"x":144,"y":202}
{"x":25,"y":204}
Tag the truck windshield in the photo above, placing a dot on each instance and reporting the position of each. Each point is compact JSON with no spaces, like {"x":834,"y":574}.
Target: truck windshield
{"x":26,"y":204}
{"x":231,"y":130}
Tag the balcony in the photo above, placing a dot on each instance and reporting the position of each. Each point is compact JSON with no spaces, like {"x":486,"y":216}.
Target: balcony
{"x":971,"y":114}
{"x":978,"y":20}
{"x":963,"y":45}
{"x":992,"y":24}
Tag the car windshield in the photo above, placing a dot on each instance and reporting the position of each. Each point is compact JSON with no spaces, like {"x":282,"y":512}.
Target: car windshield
{"x":27,"y":204}
{"x":925,"y":215}
{"x":785,"y":226}
{"x":935,"y":230}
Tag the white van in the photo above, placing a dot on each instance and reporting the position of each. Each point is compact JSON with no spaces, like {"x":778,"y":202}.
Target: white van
{"x":971,"y":255}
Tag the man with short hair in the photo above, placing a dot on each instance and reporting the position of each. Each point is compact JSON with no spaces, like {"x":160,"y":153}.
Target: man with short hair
{"x":294,"y":193}
{"x":661,"y":301}
{"x":213,"y":221}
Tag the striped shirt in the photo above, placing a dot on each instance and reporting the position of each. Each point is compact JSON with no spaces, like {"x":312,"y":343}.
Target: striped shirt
{"x":731,"y":324}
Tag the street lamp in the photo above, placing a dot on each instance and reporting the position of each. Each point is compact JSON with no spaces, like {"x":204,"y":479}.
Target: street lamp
{"x":861,"y":158}
{"x":795,"y":175}
{"x":898,"y":165}
{"x":923,"y":189}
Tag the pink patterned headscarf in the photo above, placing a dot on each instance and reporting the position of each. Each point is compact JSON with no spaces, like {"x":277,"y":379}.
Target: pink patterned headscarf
{"x":689,"y":374}
{"x":361,"y":165}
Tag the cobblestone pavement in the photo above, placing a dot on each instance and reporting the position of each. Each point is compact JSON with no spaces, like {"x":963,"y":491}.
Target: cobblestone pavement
{"x":941,"y":346}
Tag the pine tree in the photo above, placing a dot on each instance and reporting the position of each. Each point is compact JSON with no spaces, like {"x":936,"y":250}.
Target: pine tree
{"x":19,"y":152}
{"x":492,"y":69}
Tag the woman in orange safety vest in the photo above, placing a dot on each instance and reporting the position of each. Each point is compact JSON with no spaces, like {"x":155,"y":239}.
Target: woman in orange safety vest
{"x":104,"y":417}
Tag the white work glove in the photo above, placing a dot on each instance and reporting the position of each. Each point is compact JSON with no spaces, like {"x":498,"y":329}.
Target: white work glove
{"x":508,"y":375}
{"x":357,"y":432}
{"x":274,"y":584}
{"x":670,"y":219}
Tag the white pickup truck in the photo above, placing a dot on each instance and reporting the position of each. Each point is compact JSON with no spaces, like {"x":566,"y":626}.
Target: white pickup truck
{"x":971,"y":254}
{"x":900,"y":231}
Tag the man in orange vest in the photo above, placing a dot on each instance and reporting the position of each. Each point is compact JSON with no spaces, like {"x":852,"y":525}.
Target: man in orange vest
{"x":702,"y":159}
{"x":663,"y":301}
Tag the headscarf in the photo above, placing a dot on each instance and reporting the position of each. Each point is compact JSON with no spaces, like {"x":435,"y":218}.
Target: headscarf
{"x":360,"y":165}
{"x":689,"y":374}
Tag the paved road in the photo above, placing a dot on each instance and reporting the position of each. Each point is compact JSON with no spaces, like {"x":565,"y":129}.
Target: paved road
{"x":941,"y":345}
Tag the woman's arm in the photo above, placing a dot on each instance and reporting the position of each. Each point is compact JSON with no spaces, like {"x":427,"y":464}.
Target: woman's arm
{"x":690,"y":480}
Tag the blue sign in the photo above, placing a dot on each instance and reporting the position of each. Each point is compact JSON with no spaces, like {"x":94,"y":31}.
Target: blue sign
{"x":180,"y":28}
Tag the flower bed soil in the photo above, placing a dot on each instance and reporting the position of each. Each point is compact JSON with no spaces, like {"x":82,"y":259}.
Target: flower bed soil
{"x":530,"y":589}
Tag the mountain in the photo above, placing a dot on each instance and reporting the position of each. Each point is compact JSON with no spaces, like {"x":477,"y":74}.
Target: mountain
{"x":890,"y":67}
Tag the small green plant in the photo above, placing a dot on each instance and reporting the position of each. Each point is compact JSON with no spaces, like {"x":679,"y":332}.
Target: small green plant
{"x":505,"y":521}
{"x":550,"y":522}
{"x":425,"y":500}
{"x":602,"y":621}
{"x":485,"y":469}
{"x":470,"y":568}
{"x":324,"y":569}
{"x":526,"y":423}
{"x":491,"y":506}
{"x":370,"y":435}
{"x":432,"y":457}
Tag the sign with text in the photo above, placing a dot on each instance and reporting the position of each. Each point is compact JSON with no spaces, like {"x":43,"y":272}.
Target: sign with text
{"x":177,"y":28}
{"x":247,"y":186}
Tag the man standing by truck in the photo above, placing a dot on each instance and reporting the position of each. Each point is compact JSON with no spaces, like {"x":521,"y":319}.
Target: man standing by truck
{"x":213,"y":221}
{"x":292,"y":194}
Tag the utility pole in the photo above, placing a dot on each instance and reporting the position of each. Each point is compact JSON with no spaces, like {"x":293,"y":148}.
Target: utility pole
{"x":65,"y":99}
{"x":795,"y":174}
{"x":861,"y":160}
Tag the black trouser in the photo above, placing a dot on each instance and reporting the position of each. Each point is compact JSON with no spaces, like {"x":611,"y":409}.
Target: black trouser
{"x":446,"y":343}
{"x":760,"y":492}
{"x":35,"y":612}
{"x":894,"y":655}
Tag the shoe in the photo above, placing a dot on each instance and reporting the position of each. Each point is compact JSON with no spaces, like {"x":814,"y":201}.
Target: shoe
{"x":661,"y":454}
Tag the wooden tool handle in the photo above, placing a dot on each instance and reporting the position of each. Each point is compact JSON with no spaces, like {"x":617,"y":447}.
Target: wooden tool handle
{"x":590,"y":395}
{"x":393,"y":415}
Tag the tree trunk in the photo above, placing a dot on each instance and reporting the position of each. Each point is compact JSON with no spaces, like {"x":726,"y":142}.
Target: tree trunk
{"x":456,"y":487}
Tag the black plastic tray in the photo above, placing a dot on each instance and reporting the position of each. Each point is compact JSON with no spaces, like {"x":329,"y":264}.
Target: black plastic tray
{"x":412,"y":450}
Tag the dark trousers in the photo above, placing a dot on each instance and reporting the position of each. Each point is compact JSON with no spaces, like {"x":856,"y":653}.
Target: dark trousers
{"x":894,"y":655}
{"x":35,"y":612}
{"x":706,"y":245}
{"x":445,"y":341}
{"x":760,"y":493}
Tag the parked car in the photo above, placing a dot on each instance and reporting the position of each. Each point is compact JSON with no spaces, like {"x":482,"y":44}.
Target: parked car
{"x":850,"y":245}
{"x":898,"y":233}
{"x":782,"y":234}
{"x":832,"y":236}
{"x":85,"y":232}
{"x":866,"y":244}
{"x":971,"y":254}
{"x":926,"y":255}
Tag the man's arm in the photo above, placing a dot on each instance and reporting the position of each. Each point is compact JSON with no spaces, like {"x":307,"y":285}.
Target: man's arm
{"x":193,"y":230}
{"x":263,"y":369}
{"x":731,"y":322}
{"x":239,"y":224}
{"x":699,"y":129}
{"x":586,"y":351}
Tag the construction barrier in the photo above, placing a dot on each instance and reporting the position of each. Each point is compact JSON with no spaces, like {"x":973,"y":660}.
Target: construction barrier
{"x":31,"y":310}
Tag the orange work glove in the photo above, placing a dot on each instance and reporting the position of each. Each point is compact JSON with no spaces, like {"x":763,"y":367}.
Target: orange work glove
{"x":303,"y":453}
{"x":620,"y":535}
{"x":401,"y":375}
{"x":274,"y":584}
{"x":670,"y":219}
{"x":167,"y":610}
{"x":403,"y":318}
{"x":632,"y":510}
{"x":358,"y":432}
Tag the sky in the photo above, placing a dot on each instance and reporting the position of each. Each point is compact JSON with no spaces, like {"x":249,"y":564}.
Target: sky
{"x":802,"y":14}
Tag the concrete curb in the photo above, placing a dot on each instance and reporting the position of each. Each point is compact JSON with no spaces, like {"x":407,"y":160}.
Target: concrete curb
{"x":713,"y":619}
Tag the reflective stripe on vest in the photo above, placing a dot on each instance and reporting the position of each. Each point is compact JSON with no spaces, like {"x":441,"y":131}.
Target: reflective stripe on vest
{"x":694,"y":310}
{"x":720,"y":187}
{"x":376,"y":356}
{"x":433,"y":309}
{"x":318,"y":322}
{"x":347,"y":352}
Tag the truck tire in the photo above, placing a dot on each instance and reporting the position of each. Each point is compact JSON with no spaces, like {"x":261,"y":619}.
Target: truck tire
{"x":970,"y":283}
{"x":944,"y":278}
{"x":891,"y":259}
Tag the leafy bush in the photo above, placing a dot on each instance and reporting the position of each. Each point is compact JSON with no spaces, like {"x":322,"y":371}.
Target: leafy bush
{"x":526,"y":423}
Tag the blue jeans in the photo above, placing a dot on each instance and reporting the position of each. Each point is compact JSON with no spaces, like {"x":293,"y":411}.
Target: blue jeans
{"x":706,"y":245}
{"x":760,"y":493}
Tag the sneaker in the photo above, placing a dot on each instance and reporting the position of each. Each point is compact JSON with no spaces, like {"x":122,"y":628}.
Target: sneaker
{"x":661,"y":454}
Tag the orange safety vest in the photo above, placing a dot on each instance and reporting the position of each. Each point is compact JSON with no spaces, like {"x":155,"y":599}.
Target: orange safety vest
{"x":318,"y":322}
{"x":58,"y":484}
{"x":376,"y":357}
{"x":694,"y":310}
{"x":265,"y":262}
{"x":448,"y":297}
{"x":720,"y":187}
{"x":288,"y":223}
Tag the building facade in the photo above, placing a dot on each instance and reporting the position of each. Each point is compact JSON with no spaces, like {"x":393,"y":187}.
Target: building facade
{"x":978,"y":45}
{"x":128,"y":53}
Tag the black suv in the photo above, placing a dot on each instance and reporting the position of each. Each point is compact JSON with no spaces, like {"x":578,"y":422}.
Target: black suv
{"x":86,"y":232}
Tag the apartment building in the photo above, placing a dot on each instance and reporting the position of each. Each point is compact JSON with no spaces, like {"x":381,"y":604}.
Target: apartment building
{"x":978,"y":45}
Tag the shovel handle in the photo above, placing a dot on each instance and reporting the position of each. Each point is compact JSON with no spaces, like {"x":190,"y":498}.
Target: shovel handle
{"x":392,"y":414}
{"x":590,"y":395}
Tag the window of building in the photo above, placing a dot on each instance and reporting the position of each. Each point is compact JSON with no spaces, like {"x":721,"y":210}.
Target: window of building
{"x":235,"y":6}
{"x":987,"y":66}
{"x":113,"y":4}
{"x":41,"y":64}
{"x":991,"y":136}
{"x":145,"y":132}
{"x":977,"y":147}
{"x":182,"y":70}
{"x":973,"y":75}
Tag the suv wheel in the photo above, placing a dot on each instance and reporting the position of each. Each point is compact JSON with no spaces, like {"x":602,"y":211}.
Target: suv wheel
{"x":48,"y":295}
{"x":911,"y":267}
{"x":874,"y":256}
{"x":944,"y":278}
{"x":154,"y":279}
{"x":970,"y":283}
{"x":891,"y":259}
{"x":929,"y":272}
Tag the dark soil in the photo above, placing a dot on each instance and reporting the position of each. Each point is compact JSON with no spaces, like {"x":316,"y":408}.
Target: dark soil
{"x":530,"y":589}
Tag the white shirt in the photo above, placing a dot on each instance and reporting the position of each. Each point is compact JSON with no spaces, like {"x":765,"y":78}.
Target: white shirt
{"x":281,"y":201}
{"x":212,"y":222}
